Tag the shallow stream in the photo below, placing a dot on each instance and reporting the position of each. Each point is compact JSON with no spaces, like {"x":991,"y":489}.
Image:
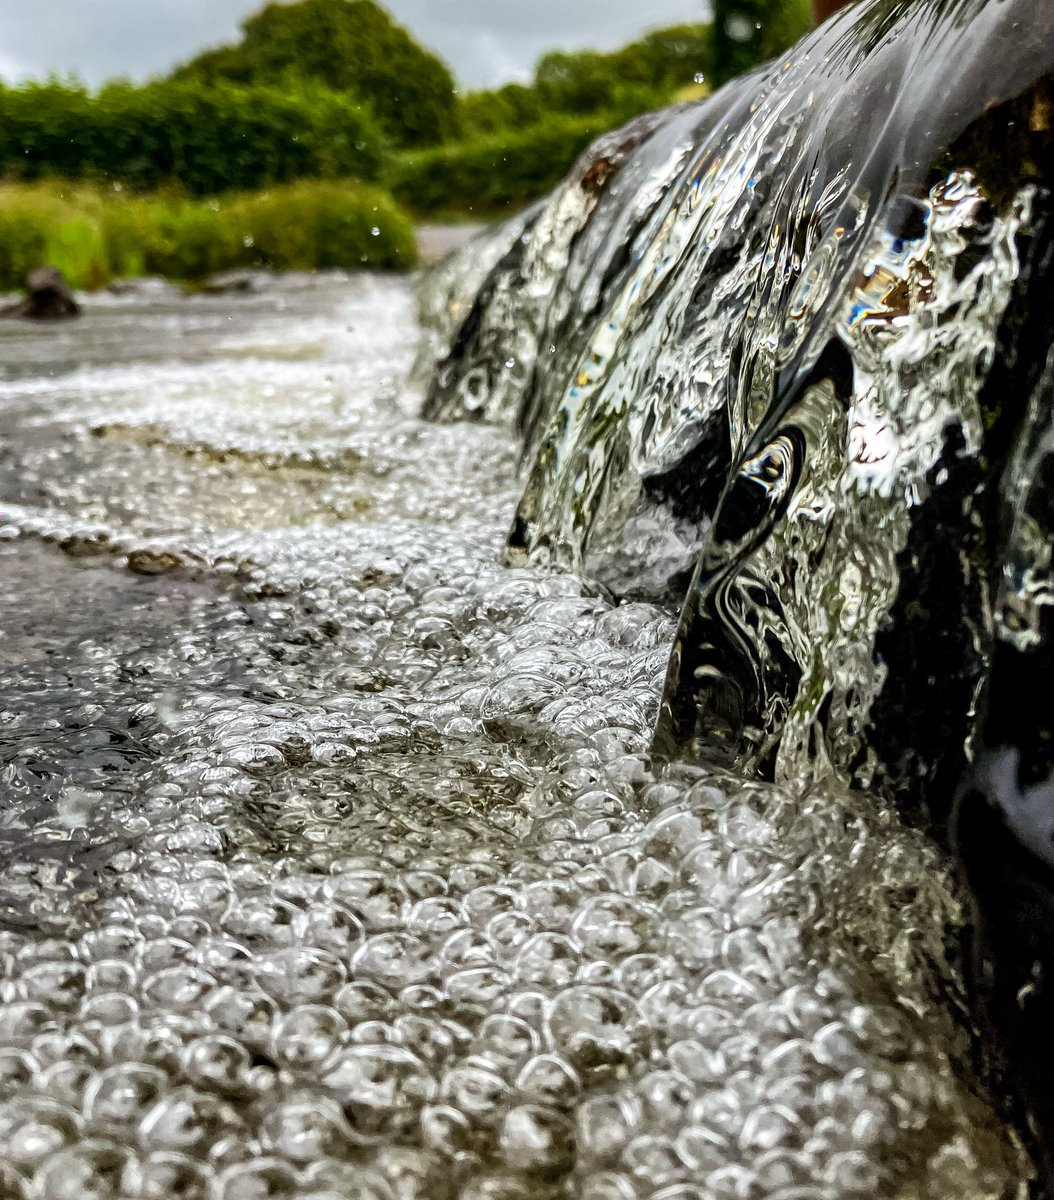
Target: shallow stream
{"x":332,"y":863}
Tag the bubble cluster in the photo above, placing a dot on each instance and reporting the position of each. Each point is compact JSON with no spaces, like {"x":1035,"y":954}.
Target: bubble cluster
{"x":334,"y":863}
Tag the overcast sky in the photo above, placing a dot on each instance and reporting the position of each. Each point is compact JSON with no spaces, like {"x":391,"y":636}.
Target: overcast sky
{"x":485,"y":41}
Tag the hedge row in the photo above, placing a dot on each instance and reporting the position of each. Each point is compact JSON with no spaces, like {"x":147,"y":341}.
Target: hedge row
{"x":488,"y":175}
{"x":94,"y":235}
{"x":210,"y":137}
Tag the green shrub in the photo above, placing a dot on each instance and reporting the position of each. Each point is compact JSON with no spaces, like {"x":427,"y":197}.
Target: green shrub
{"x":77,"y":245}
{"x":644,"y":75}
{"x":46,"y":128}
{"x":352,"y":46}
{"x":587,"y":82}
{"x":131,"y":233}
{"x":514,"y":106}
{"x":95,"y":235}
{"x":498,"y":172}
{"x":191,"y":240}
{"x":316,"y":225}
{"x":207,"y":137}
{"x":23,"y":241}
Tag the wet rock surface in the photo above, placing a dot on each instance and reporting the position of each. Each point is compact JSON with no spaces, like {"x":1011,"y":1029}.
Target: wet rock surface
{"x":797,"y":359}
{"x":48,"y":298}
{"x":790,"y":365}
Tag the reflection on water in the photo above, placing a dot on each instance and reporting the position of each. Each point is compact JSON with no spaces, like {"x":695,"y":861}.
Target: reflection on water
{"x":333,"y":863}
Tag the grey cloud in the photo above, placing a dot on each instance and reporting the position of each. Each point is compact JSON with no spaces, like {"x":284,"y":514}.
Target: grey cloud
{"x":484,"y":41}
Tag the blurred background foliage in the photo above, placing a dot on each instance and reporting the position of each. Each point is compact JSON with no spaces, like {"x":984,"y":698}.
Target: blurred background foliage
{"x":207,"y":137}
{"x":647,"y":74}
{"x":350,"y":46}
{"x":325,"y":91}
{"x":748,"y":32}
{"x":95,"y":235}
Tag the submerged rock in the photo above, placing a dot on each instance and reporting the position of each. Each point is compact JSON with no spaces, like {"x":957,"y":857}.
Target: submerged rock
{"x":49,"y":297}
{"x":801,"y":340}
{"x":248,"y":280}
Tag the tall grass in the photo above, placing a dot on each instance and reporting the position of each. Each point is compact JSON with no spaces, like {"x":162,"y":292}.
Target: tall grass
{"x":94,"y":234}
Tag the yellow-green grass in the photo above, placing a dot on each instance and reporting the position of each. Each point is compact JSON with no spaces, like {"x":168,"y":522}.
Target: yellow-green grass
{"x":97,"y":234}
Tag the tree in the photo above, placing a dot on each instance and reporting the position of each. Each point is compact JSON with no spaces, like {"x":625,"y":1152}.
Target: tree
{"x":644,"y":75}
{"x":350,"y":46}
{"x":671,"y":59}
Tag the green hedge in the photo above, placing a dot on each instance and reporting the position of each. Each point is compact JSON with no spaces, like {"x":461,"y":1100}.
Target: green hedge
{"x":488,"y":175}
{"x":645,"y":75}
{"x":208,"y":137}
{"x":95,"y":235}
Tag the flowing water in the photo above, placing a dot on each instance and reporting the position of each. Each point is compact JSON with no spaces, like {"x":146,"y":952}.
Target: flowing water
{"x":336,"y":862}
{"x":783,"y":360}
{"x":333,"y":862}
{"x":767,"y":325}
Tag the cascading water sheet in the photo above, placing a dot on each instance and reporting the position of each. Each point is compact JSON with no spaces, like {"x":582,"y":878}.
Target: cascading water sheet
{"x":336,"y":858}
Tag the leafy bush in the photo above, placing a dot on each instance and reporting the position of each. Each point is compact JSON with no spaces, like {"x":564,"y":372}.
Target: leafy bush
{"x":350,"y":46}
{"x":25,"y":225}
{"x":644,"y":75}
{"x":514,"y":106}
{"x":94,"y":235}
{"x":189,"y":241}
{"x":208,"y":137}
{"x":490,"y":174}
{"x":323,"y":225}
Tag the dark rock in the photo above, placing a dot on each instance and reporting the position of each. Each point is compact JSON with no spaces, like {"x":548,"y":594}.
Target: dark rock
{"x":50,"y":297}
{"x":146,"y":561}
{"x":228,"y":283}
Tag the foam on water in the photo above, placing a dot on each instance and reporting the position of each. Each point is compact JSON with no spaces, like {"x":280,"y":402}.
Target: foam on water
{"x":333,"y":861}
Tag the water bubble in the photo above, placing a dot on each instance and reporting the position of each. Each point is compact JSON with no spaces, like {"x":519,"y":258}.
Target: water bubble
{"x":381,"y":1089}
{"x":305,"y":1037}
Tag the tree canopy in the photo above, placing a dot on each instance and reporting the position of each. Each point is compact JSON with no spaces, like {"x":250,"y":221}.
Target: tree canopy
{"x":747,"y":32}
{"x":643,"y":75}
{"x":349,"y":46}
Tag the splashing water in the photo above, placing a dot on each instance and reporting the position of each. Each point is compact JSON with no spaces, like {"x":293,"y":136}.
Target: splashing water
{"x":335,"y":862}
{"x":792,"y":354}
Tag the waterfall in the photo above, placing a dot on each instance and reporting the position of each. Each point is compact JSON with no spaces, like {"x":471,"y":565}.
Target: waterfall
{"x":787,"y":353}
